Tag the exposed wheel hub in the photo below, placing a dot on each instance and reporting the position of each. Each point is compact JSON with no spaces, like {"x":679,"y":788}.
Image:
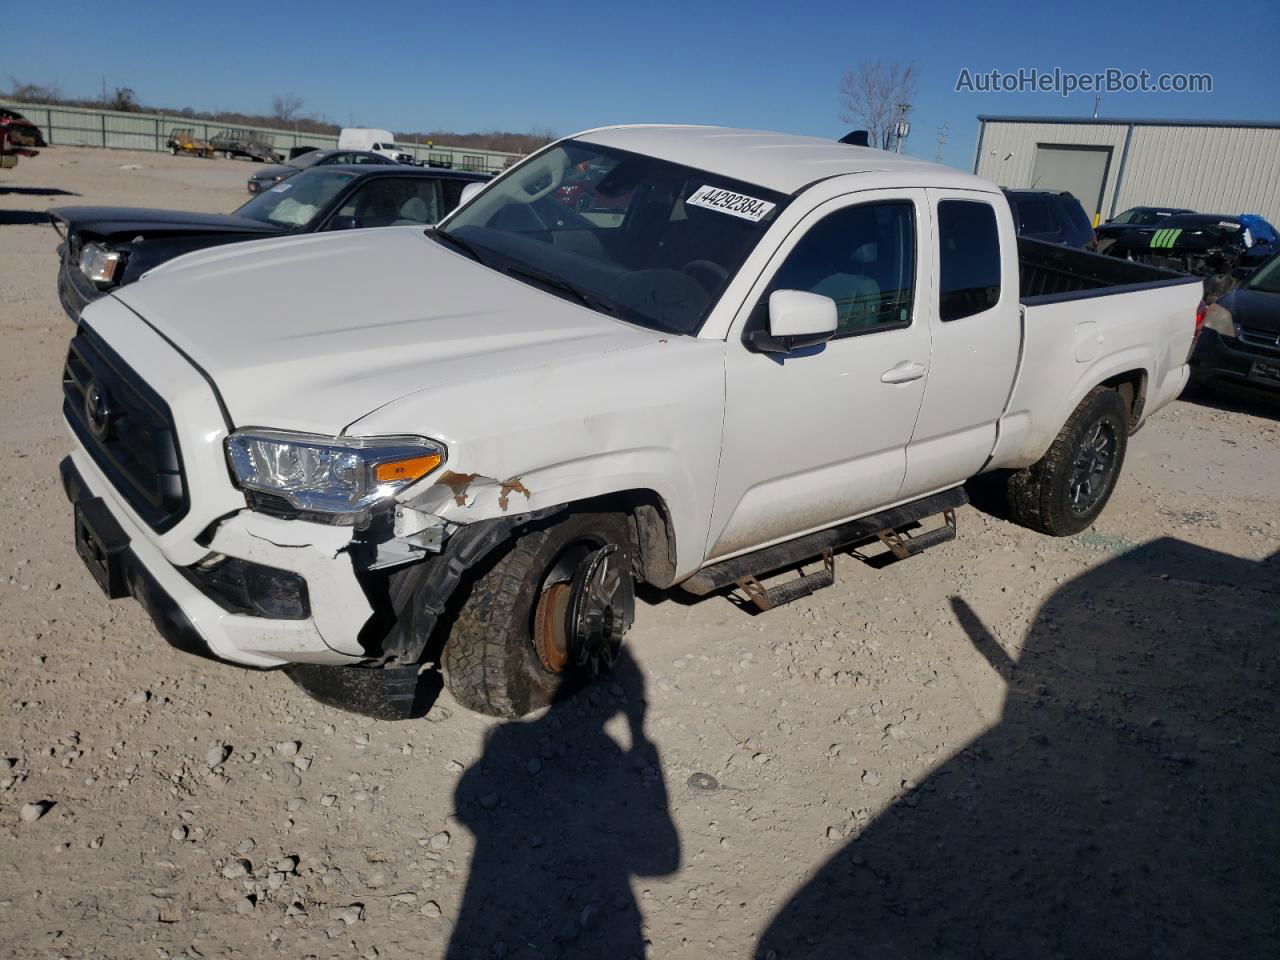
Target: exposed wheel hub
{"x":579,"y":623}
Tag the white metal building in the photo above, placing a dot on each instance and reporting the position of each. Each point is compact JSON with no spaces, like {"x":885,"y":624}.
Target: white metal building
{"x":1211,"y":166}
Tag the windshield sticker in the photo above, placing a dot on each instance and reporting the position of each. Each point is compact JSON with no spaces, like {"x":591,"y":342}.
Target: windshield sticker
{"x":281,"y":187}
{"x":735,"y":204}
{"x":1228,"y":225}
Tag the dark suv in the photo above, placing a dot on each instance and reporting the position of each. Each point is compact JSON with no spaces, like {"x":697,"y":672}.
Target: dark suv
{"x":1052,"y":217}
{"x":1240,"y":339}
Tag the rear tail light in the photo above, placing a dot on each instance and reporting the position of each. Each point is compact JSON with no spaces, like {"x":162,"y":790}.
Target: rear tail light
{"x":1200,"y":312}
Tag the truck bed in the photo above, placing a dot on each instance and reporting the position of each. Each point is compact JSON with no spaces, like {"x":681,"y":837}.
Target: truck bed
{"x":1050,"y":273}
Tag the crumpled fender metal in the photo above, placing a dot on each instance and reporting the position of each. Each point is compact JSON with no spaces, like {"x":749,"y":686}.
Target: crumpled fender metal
{"x":443,"y":572}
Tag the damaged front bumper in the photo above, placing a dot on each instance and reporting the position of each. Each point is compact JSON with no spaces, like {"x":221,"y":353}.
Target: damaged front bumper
{"x":302,"y":572}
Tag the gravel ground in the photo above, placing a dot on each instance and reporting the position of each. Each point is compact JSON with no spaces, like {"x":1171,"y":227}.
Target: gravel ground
{"x":1010,"y":746}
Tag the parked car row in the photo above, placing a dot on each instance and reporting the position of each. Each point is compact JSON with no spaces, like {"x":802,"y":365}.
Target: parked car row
{"x":1222,"y":249}
{"x":105,"y":248}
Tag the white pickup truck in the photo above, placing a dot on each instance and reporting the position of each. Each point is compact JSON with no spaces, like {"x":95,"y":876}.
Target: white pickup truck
{"x":686,"y":356}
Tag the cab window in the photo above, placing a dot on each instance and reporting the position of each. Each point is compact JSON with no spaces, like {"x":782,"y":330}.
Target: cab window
{"x":969,"y":258}
{"x":863,"y":258}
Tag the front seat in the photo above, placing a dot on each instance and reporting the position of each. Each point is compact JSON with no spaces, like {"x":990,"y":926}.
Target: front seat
{"x":857,"y":295}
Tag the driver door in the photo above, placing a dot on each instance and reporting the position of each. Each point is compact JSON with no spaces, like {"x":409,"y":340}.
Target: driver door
{"x":819,"y":436}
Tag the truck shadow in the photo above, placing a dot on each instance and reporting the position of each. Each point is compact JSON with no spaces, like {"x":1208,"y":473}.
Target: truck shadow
{"x":564,"y":816}
{"x":37,"y":192}
{"x":23,"y":218}
{"x":1125,"y":804}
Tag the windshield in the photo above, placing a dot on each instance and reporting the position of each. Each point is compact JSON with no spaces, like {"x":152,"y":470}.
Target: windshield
{"x":296,"y":202}
{"x":1142,"y":216}
{"x":308,"y":159}
{"x":649,"y":241}
{"x":1266,"y":279}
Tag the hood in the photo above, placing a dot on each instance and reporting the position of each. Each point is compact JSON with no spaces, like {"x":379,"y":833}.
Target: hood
{"x":117,"y":221}
{"x":1254,"y":309}
{"x":312,"y":333}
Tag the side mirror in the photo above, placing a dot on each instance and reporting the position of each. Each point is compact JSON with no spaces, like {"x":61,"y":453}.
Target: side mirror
{"x":343,"y":223}
{"x":470,"y":190}
{"x":797,"y":319}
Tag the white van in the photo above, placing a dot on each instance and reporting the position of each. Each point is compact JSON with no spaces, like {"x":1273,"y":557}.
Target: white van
{"x":371,"y":138}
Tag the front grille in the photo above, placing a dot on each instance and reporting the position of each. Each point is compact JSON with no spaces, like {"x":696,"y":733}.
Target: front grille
{"x":1260,"y":338}
{"x":131,"y":435}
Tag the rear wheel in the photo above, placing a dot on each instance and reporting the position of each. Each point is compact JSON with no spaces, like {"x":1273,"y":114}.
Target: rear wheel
{"x":1066,"y":489}
{"x":548,"y":617}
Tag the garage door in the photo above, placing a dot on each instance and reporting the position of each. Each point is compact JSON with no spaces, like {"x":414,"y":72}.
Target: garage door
{"x":1081,"y":170}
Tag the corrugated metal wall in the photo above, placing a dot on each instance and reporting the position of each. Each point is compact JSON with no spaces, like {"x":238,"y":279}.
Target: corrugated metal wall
{"x":1228,"y":169}
{"x":88,"y":127}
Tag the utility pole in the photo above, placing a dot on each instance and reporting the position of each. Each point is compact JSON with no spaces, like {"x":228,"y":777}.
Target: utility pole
{"x":942,"y":139}
{"x":903,"y":129}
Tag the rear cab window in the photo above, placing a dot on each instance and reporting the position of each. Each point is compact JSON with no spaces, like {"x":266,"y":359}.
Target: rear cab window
{"x":968,"y":258}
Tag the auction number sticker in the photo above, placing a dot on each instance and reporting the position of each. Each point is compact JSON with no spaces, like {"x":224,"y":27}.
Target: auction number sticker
{"x":735,"y":204}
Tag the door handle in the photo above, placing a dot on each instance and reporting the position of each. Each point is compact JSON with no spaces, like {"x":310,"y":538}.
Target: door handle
{"x":904,"y":372}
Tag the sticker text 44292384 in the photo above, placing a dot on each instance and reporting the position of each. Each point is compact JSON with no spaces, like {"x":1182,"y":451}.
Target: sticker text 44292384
{"x":726,"y":201}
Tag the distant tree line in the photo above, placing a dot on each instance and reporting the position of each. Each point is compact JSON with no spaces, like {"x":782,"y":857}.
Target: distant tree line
{"x":286,"y":112}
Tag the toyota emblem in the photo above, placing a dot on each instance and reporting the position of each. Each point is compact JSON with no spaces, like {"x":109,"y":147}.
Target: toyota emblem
{"x":97,"y":409}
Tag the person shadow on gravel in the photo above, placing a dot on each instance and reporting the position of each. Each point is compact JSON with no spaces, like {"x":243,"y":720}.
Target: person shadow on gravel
{"x":1125,"y":806}
{"x":564,"y":817}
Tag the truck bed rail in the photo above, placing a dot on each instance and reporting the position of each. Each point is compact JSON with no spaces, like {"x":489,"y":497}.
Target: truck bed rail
{"x":1048,"y":273}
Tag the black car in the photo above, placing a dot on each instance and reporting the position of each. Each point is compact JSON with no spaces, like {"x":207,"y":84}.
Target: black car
{"x":267,"y":177}
{"x":1240,"y":339}
{"x":1210,"y":245}
{"x":1054,"y":217}
{"x":107,"y":247}
{"x":1135,"y":218}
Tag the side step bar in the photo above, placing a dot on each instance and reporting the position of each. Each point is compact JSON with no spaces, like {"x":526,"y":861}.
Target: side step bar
{"x":743,"y":571}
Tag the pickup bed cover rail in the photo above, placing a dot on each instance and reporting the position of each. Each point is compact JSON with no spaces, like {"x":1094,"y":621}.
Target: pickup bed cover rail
{"x":1049,"y":272}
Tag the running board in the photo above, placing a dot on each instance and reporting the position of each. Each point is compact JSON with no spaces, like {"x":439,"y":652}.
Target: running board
{"x":743,"y":571}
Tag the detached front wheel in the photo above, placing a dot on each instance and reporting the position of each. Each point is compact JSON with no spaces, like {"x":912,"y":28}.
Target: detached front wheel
{"x":548,"y":617}
{"x":1065,"y":490}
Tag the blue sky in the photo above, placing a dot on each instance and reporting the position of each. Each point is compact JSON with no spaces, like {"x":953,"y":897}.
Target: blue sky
{"x":516,"y":66}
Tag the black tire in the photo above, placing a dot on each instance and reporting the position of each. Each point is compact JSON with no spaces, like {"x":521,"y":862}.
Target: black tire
{"x":1064,"y":491}
{"x":490,"y":661}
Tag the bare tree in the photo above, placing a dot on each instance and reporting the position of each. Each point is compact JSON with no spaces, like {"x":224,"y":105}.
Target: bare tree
{"x":872,"y":96}
{"x":285,"y":108}
{"x":541,"y":135}
{"x":123,"y":99}
{"x":34,"y":92}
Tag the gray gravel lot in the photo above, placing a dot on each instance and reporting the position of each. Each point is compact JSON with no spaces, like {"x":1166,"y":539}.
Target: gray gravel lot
{"x":1011,"y":746}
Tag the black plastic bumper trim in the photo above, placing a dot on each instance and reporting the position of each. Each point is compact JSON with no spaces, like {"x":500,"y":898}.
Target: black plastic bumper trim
{"x":173,"y":625}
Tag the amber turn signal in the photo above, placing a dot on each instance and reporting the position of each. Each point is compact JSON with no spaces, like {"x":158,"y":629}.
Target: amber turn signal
{"x":393,"y":471}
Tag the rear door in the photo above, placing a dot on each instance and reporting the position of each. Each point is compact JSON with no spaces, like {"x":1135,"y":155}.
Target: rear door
{"x":977,"y":336}
{"x":820,"y":435}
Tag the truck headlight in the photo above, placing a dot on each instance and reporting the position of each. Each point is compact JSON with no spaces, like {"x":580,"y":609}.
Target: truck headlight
{"x":338,"y":479}
{"x":1218,"y":319}
{"x":98,"y":263}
